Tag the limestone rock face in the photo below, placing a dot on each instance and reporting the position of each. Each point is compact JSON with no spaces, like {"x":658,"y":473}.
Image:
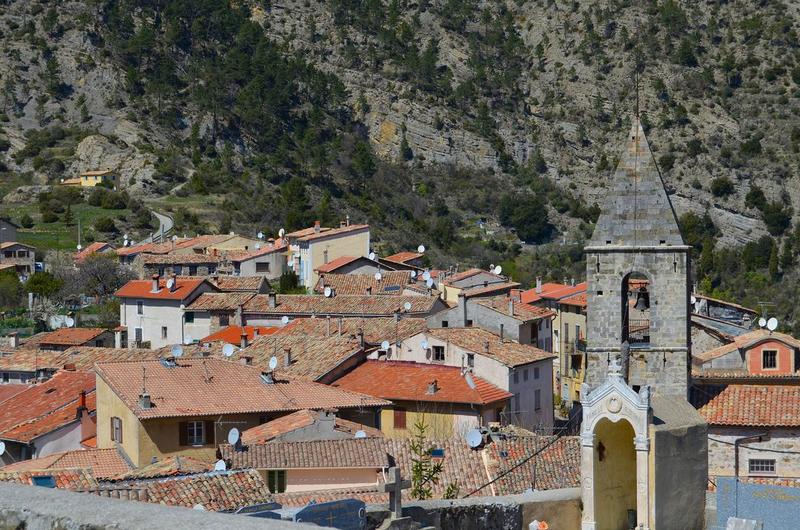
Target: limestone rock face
{"x":97,"y":152}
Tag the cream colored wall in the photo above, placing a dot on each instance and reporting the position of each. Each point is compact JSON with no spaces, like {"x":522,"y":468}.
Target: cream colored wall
{"x":443,"y":420}
{"x":344,"y":245}
{"x":234,"y":243}
{"x":110,"y":405}
{"x":614,"y":475}
{"x":321,"y":479}
{"x":449,"y":293}
{"x":561,"y":364}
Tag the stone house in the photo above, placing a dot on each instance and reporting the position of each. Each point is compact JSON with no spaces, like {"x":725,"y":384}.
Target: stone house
{"x":758,"y":352}
{"x":313,"y":247}
{"x":19,"y":256}
{"x":472,"y":282}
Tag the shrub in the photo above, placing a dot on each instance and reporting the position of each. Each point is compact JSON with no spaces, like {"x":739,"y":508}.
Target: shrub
{"x":49,"y":217}
{"x":722,"y":187}
{"x":26,"y":221}
{"x":105,"y":224}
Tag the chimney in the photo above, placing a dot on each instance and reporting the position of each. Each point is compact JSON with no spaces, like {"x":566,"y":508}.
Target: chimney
{"x":538,"y":285}
{"x":502,"y":329}
{"x":81,"y":403}
{"x":154,"y":288}
{"x":246,"y":359}
{"x":327,"y":421}
{"x":369,"y":291}
{"x":70,"y":367}
{"x":325,"y":256}
{"x":273,"y":300}
{"x":511,"y":307}
{"x":328,"y":328}
{"x":144,"y":401}
{"x":174,"y":283}
{"x":340,"y":326}
{"x":287,"y":356}
{"x":255,"y":333}
{"x":486,"y":346}
{"x":317,"y":227}
{"x":360,"y":337}
{"x":347,"y":220}
{"x":432,"y":387}
{"x":243,"y":338}
{"x":88,"y":427}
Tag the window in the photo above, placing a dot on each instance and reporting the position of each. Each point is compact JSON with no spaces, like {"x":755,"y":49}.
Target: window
{"x":140,"y":307}
{"x":190,"y":317}
{"x":471,"y":360}
{"x":6,"y":377}
{"x":137,"y":335}
{"x":516,"y":377}
{"x":761,"y":466}
{"x":769,"y":359}
{"x":444,"y":323}
{"x":98,"y":343}
{"x":438,"y":353}
{"x":45,"y":481}
{"x":262,"y":267}
{"x":192,"y":270}
{"x":116,"y":429}
{"x":537,"y":399}
{"x":195,"y":433}
{"x":224,"y":320}
{"x":469,"y":323}
{"x":399,"y":418}
{"x":536,"y":372}
{"x":163,"y":332}
{"x":276,"y":480}
{"x":525,"y":374}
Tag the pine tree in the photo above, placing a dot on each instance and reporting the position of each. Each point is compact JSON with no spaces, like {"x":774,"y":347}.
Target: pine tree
{"x":68,"y":218}
{"x":773,"y":262}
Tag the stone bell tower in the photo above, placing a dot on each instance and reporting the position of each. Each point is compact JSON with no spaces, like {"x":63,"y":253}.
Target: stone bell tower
{"x":638,"y":280}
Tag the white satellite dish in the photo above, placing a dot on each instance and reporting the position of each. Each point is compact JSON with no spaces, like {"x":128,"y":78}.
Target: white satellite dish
{"x":170,"y":283}
{"x":233,"y":436}
{"x":227,"y":350}
{"x":220,"y":466}
{"x":693,"y":300}
{"x":413,"y":274}
{"x":177,"y":350}
{"x":407,"y":306}
{"x":385,"y":345}
{"x":80,"y":247}
{"x":56,"y":321}
{"x":327,"y":292}
{"x":175,"y":238}
{"x":429,"y":283}
{"x":497,"y":270}
{"x":470,"y":380}
{"x":291,"y":264}
{"x":424,"y":344}
{"x":2,"y":448}
{"x":273,"y":362}
{"x":361,"y":434}
{"x":474,"y":438}
{"x":372,"y":256}
{"x":772,"y":324}
{"x":281,"y":232}
{"x":378,"y":276}
{"x":426,"y":275}
{"x":69,"y":322}
{"x":188,"y":339}
{"x":126,"y":243}
{"x":258,"y":246}
{"x":199,"y":507}
{"x":261,"y":235}
{"x":421,"y":249}
{"x":762,"y":322}
{"x":125,"y":236}
{"x":284,"y":320}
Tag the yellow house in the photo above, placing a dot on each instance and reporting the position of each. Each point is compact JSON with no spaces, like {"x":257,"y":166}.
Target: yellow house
{"x":92,"y":178}
{"x":313,"y":247}
{"x":187,"y":407}
{"x":441,"y":396}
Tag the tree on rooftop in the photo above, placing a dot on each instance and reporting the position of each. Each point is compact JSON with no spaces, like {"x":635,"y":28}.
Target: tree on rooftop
{"x":424,"y":472}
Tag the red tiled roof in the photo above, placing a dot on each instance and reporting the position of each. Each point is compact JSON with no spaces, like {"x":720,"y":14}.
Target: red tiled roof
{"x":463,"y":275}
{"x":267,"y":432}
{"x":90,"y":443}
{"x":184,"y":287}
{"x":233,"y":334}
{"x":11,"y":389}
{"x":754,"y":406}
{"x":71,"y":336}
{"x":403,"y":257}
{"x":553,"y":291}
{"x":341,"y":261}
{"x":71,"y":479}
{"x":104,"y":463}
{"x":227,"y":283}
{"x":391,"y":283}
{"x":310,"y":234}
{"x":201,"y":387}
{"x":83,"y":357}
{"x":522,"y":312}
{"x":408,"y":381}
{"x":320,"y":454}
{"x":167,"y":467}
{"x":747,"y":341}
{"x":344,"y":305}
{"x":299,"y":499}
{"x":219,"y":301}
{"x":476,"y":340}
{"x":28,"y":431}
{"x":240,"y":256}
{"x":576,"y":300}
{"x":97,"y":246}
{"x":375,"y":330}
{"x":180,"y":259}
{"x":33,"y":407}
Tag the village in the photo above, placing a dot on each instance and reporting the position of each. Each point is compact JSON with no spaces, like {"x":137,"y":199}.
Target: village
{"x":302,"y":376}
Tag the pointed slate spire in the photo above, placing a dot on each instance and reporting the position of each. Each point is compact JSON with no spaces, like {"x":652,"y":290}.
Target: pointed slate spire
{"x":637,"y":210}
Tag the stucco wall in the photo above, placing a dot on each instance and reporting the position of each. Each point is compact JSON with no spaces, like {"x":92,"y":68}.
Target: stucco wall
{"x":108,"y":406}
{"x":66,"y":438}
{"x":780,"y":447}
{"x":277,"y":265}
{"x":320,"y":479}
{"x":313,"y":253}
{"x":443,"y":420}
{"x":785,"y":358}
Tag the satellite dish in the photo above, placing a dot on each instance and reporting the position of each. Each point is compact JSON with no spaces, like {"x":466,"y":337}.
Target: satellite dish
{"x":421,"y":249}
{"x":170,"y":283}
{"x":372,"y":256}
{"x":199,"y":507}
{"x":413,"y":274}
{"x":188,"y":339}
{"x":227,"y":350}
{"x":3,"y":448}
{"x":772,"y":324}
{"x":378,"y":276}
{"x":426,"y":275}
{"x":497,"y":270}
{"x":693,"y":300}
{"x":281,"y":232}
{"x":80,"y":247}
{"x":70,"y":322}
{"x":175,"y":238}
{"x":361,"y":434}
{"x":219,"y":466}
{"x":284,"y":320}
{"x":385,"y":345}
{"x":258,"y":246}
{"x":474,"y":438}
{"x":762,"y":322}
{"x":233,"y":436}
{"x":273,"y":362}
{"x":126,"y":243}
{"x":125,"y":236}
{"x":177,"y":350}
{"x":56,"y":321}
{"x":327,"y":292}
{"x":428,"y":283}
{"x":424,"y":344}
{"x":407,"y":306}
{"x":470,"y":380}
{"x":261,"y":235}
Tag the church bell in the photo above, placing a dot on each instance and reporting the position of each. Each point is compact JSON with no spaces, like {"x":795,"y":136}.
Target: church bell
{"x":642,"y":300}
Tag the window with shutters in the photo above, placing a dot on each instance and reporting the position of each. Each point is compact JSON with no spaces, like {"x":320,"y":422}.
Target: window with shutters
{"x":399,"y":418}
{"x":195,"y":433}
{"x":116,"y":429}
{"x":471,"y":360}
{"x":276,"y":480}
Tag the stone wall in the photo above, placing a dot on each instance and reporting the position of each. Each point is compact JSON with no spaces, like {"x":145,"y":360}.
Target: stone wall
{"x":781,"y":446}
{"x":560,"y":508}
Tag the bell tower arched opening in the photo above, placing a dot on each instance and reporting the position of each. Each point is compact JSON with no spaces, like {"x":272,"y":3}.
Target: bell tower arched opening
{"x":635,"y":301}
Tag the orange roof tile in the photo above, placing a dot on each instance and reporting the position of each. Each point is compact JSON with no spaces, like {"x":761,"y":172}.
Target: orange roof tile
{"x":180,"y":259}
{"x":375,"y":330}
{"x":403,"y":257}
{"x":184,"y":288}
{"x":552,"y":291}
{"x":754,"y":406}
{"x":167,"y":467}
{"x":409,"y":381}
{"x":391,"y":283}
{"x":71,"y":479}
{"x":220,"y":301}
{"x":31,"y":359}
{"x":104,"y":463}
{"x":233,"y":334}
{"x":28,"y":431}
{"x":336,"y":263}
{"x":97,"y":246}
{"x":320,"y":454}
{"x":227,"y":283}
{"x":267,"y":432}
{"x":340,"y":305}
{"x":747,"y":341}
{"x":310,"y":234}
{"x":198,"y":387}
{"x":71,"y":336}
{"x":476,"y":340}
{"x":522,"y":312}
{"x":11,"y":389}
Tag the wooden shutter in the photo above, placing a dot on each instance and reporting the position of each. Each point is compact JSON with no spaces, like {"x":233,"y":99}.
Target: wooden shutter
{"x":183,"y":433}
{"x":399,"y":418}
{"x":111,"y":433}
{"x":119,"y":422}
{"x":208,"y":433}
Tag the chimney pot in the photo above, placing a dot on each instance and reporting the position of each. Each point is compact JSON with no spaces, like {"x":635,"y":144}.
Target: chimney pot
{"x":243,"y":338}
{"x":273,"y":300}
{"x":317,"y":227}
{"x":511,"y":307}
{"x":154,"y":288}
{"x":287,"y":356}
{"x":144,"y":401}
{"x":360,"y":336}
{"x":174,"y":283}
{"x":538,"y":285}
{"x":502,"y":329}
{"x":369,"y":291}
{"x":246,"y":359}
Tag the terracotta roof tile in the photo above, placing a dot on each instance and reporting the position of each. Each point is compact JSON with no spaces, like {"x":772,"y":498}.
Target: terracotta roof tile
{"x":754,"y":406}
{"x":745,"y":342}
{"x":408,"y":381}
{"x":404,"y":257}
{"x":197,"y":387}
{"x":552,"y":291}
{"x":312,"y":358}
{"x":184,"y":288}
{"x":332,"y":265}
{"x":522,"y":312}
{"x":71,"y":336}
{"x":375,"y":330}
{"x":83,"y":357}
{"x":167,"y":467}
{"x":310,"y":234}
{"x":35,"y":427}
{"x":557,"y":466}
{"x":180,"y":259}
{"x":267,"y":432}
{"x":104,"y":463}
{"x":240,"y":283}
{"x":475,"y":340}
{"x":325,"y":454}
{"x":71,"y":479}
{"x":298,"y":499}
{"x":233,"y":334}
{"x":391,"y":283}
{"x":11,"y":389}
{"x":576,"y":300}
{"x":97,"y":246}
{"x":219,"y":301}
{"x":344,"y":305}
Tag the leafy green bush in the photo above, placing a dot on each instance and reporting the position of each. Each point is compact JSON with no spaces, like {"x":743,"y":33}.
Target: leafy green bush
{"x":722,"y":187}
{"x":26,"y":221}
{"x":105,"y":224}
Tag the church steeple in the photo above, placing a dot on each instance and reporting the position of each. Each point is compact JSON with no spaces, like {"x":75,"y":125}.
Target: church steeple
{"x":637,"y":210}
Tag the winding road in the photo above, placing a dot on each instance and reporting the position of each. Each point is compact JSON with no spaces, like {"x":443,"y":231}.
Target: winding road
{"x":165,"y":224}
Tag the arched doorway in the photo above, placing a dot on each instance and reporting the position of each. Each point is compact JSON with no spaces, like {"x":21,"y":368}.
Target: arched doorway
{"x":614,"y":474}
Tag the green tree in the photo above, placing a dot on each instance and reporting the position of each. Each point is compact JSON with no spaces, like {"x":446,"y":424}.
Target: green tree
{"x":363,"y":161}
{"x":424,"y":472}
{"x":706,"y":264}
{"x":68,"y":218}
{"x":10,"y":290}
{"x":26,"y":221}
{"x":296,"y":203}
{"x":722,"y":187}
{"x":773,"y":263}
{"x":105,"y":224}
{"x":43,"y":284}
{"x":787,"y":255}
